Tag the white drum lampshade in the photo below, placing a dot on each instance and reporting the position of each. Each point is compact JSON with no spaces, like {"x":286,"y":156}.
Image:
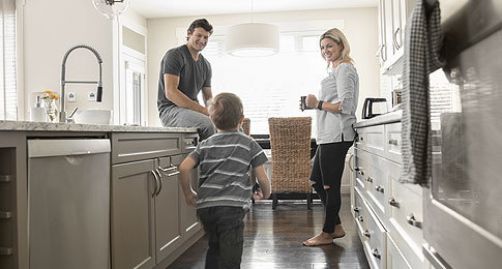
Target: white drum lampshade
{"x":252,"y":39}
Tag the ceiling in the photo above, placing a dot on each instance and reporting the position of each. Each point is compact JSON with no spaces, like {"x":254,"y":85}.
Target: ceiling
{"x":181,"y":8}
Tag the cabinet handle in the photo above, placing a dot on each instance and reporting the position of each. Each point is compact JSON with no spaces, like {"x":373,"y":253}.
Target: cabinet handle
{"x":160,"y":183}
{"x":356,"y":209}
{"x":157,"y":180}
{"x":393,"y":142}
{"x":360,"y":218}
{"x":6,"y":251}
{"x":413,"y":221}
{"x":5,"y":178}
{"x":167,"y":170}
{"x":5,"y":215}
{"x":379,"y":189}
{"x":376,"y":254}
{"x":367,"y":233}
{"x":360,"y":170}
{"x":383,"y":53}
{"x":369,"y":179}
{"x":393,"y":203}
{"x":350,"y":162}
{"x":397,"y":41}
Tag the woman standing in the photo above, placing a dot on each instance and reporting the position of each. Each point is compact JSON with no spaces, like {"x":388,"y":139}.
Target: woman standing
{"x":337,"y":103}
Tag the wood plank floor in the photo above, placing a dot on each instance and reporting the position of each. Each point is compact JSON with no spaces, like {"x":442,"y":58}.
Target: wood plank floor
{"x":273,"y":239}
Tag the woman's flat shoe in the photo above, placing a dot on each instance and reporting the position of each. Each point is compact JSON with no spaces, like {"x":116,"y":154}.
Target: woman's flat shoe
{"x":335,"y":235}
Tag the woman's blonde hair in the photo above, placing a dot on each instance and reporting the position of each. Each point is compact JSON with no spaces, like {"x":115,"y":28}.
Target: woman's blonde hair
{"x":226,"y":111}
{"x":336,"y":35}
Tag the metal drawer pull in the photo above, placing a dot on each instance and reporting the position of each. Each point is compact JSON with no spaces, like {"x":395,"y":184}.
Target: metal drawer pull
{"x":5,"y":178}
{"x":376,"y":254}
{"x":5,"y":214}
{"x":413,"y":221}
{"x":394,"y":142}
{"x":166,"y":170}
{"x":160,"y":183}
{"x":369,"y":179}
{"x":360,"y":170}
{"x":379,"y":189}
{"x":157,"y":181}
{"x":6,"y":251}
{"x":360,"y":218}
{"x":356,"y":209}
{"x":393,"y":203}
{"x":367,"y":233}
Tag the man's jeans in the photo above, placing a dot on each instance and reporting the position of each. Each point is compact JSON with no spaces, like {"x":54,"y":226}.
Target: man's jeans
{"x":225,"y":228}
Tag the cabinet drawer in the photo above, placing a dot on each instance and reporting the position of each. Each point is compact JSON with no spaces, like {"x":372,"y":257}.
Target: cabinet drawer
{"x":393,"y":141}
{"x":405,"y":216}
{"x":139,"y":146}
{"x":372,"y":173}
{"x":395,"y":259}
{"x":358,"y":210}
{"x":371,"y":138}
{"x":375,"y":246}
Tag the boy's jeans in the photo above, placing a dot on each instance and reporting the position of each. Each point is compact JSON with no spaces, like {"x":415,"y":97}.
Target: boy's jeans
{"x":225,"y":227}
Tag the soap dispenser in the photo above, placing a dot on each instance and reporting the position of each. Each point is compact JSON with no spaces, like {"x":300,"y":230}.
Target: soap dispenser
{"x":38,"y":111}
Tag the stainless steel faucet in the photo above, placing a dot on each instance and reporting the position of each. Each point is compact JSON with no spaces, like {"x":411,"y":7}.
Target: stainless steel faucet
{"x":99,"y":94}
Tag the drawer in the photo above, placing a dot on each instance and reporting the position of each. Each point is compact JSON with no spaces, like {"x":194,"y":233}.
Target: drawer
{"x":393,"y":142}
{"x":372,"y":168}
{"x":371,"y":138}
{"x":358,"y":209}
{"x":395,"y":259}
{"x":406,"y":217}
{"x":128,"y":147}
{"x":375,"y":245}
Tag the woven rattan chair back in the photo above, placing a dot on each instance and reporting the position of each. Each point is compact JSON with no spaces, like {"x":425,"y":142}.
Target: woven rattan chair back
{"x":290,"y":145}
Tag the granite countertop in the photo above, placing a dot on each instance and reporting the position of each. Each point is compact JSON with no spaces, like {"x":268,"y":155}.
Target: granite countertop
{"x":6,"y":126}
{"x":390,"y":117}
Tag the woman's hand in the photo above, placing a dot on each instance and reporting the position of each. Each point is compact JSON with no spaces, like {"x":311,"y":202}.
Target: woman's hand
{"x":311,"y":101}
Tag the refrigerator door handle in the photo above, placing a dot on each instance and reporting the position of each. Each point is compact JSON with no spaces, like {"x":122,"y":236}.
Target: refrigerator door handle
{"x":434,"y":258}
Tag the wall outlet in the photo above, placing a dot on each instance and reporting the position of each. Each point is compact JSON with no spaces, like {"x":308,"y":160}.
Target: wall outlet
{"x":71,"y":97}
{"x":91,"y":97}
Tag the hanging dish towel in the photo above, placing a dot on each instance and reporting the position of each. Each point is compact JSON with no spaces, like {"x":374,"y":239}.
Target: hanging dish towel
{"x":423,"y":40}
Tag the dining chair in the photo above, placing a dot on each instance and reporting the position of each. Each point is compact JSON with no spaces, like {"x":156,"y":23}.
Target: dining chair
{"x":290,"y":145}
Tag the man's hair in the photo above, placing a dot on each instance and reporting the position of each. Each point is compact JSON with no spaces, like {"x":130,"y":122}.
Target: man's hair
{"x":226,"y":111}
{"x":202,"y":23}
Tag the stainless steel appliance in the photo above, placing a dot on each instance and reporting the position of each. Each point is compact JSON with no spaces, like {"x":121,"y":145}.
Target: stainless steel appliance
{"x":462,"y":212}
{"x":373,"y":107}
{"x":69,"y":203}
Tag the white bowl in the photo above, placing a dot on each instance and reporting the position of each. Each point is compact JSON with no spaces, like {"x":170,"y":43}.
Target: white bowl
{"x":93,"y":116}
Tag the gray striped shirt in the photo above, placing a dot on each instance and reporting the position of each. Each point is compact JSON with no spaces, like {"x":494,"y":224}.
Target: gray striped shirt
{"x":224,"y":160}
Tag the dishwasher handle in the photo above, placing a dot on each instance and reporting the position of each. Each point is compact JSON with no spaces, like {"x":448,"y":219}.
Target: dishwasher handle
{"x":64,"y":147}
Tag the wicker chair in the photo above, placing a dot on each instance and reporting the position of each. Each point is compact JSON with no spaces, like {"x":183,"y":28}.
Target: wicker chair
{"x":290,"y":145}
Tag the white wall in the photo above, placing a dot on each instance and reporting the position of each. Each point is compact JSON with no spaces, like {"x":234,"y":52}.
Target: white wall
{"x":360,"y":26}
{"x":51,"y":27}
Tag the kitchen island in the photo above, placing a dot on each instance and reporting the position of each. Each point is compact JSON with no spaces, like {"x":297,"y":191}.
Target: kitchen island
{"x":150,"y":224}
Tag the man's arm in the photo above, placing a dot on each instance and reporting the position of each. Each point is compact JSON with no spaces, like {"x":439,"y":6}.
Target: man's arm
{"x":186,"y":167}
{"x":172,"y":93}
{"x":207,"y":94}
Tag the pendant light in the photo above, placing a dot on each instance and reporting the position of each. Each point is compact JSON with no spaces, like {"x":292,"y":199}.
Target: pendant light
{"x":252,"y":39}
{"x":110,"y":8}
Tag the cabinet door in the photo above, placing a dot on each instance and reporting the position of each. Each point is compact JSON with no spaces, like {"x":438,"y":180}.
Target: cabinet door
{"x":382,"y":26}
{"x":167,"y":230}
{"x":189,"y":223}
{"x":132,"y":225}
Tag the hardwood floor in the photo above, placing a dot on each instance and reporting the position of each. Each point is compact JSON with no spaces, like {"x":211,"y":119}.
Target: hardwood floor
{"x":273,"y":239}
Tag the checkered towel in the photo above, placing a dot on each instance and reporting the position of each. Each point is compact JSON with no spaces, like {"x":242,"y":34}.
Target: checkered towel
{"x":423,"y":41}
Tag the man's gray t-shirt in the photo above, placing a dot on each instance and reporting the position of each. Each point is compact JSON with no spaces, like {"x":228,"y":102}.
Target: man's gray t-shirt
{"x":194,"y":75}
{"x":224,"y":160}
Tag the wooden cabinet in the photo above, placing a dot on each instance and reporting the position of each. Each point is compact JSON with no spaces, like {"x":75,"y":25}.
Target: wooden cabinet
{"x":150,"y":221}
{"x":388,"y":213}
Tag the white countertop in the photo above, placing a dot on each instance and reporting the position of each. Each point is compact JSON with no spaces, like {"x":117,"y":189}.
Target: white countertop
{"x":6,"y":126}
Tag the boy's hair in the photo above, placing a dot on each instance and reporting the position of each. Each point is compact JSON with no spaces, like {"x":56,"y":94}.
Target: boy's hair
{"x":202,"y":23}
{"x":226,"y":111}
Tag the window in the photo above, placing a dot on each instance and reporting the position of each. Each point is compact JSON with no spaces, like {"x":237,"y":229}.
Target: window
{"x":8,"y":52}
{"x":271,"y":86}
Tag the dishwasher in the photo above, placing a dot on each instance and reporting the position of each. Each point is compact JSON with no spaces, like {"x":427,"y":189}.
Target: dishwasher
{"x":69,"y":203}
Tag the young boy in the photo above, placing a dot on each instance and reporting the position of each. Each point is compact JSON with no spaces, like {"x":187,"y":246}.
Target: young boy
{"x":225,"y":188}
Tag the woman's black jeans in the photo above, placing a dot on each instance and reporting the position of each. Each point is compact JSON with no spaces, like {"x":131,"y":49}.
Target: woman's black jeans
{"x":327,"y":170}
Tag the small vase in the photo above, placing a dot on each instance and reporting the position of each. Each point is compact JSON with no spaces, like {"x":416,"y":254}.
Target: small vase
{"x":52,"y":110}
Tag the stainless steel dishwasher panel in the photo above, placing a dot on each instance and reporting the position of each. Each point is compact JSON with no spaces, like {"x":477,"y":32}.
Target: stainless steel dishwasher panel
{"x":69,"y":203}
